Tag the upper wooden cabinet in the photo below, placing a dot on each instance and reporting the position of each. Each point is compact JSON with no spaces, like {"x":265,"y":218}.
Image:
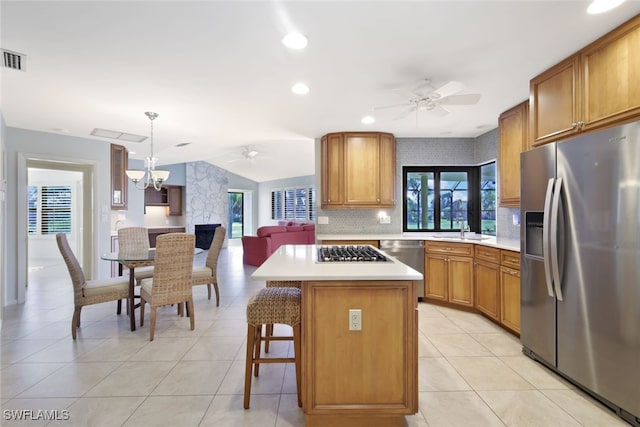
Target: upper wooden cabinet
{"x":119,"y":184}
{"x":358,"y":170}
{"x":169,"y":196}
{"x":332,"y":170}
{"x":596,"y":87}
{"x":513,"y":139}
{"x":610,"y":82}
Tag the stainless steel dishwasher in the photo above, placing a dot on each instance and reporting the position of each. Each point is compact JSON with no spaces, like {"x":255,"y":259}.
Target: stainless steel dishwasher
{"x":410,"y":252}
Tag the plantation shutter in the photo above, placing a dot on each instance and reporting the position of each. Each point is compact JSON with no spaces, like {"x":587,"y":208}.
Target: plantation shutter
{"x":56,"y":209}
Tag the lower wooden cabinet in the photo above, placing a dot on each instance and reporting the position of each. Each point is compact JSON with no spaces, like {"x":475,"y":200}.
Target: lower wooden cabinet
{"x":155,"y":232}
{"x":359,"y":377}
{"x":487,"y":277}
{"x":510,"y":298}
{"x":449,"y":274}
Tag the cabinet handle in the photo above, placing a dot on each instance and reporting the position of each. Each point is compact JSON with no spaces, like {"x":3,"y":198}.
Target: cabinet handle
{"x":574,"y":125}
{"x":581,"y":123}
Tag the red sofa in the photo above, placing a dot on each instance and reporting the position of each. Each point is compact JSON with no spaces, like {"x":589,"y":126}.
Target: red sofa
{"x":258,"y":248}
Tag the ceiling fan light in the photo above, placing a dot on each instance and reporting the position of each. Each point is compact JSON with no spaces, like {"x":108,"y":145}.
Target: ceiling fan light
{"x":252,"y":153}
{"x":295,"y":41}
{"x":367,"y":120}
{"x":300,"y":88}
{"x":601,"y":6}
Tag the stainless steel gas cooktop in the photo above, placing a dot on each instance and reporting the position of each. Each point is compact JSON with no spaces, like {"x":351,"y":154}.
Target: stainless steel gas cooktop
{"x":349,"y":253}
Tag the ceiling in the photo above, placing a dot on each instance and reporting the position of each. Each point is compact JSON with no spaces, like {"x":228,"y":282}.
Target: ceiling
{"x":220,"y":79}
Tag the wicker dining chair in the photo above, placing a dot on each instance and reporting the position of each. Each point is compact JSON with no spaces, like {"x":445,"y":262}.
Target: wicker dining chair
{"x":208,"y":275}
{"x":135,"y":239}
{"x":171,"y":281}
{"x":92,"y":291}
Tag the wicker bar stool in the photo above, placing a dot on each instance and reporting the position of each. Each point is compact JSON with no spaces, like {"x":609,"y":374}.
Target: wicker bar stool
{"x":269,"y":306}
{"x":277,"y":284}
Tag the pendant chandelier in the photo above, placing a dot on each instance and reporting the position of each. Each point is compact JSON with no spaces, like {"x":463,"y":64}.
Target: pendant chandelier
{"x":150,"y":176}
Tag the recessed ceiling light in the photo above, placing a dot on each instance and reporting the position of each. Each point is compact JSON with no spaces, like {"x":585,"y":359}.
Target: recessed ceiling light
{"x":600,"y":6}
{"x":300,"y":89}
{"x":295,"y":41}
{"x":61,"y":130}
{"x":367,"y":120}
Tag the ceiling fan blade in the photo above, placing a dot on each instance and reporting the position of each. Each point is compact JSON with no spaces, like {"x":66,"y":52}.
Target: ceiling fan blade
{"x":383,"y":107}
{"x":405,"y":113}
{"x":439,"y":111}
{"x":468,"y":99}
{"x":449,"y":89}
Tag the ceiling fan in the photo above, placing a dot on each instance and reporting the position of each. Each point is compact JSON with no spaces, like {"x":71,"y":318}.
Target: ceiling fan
{"x":249,"y":154}
{"x":426,"y":97}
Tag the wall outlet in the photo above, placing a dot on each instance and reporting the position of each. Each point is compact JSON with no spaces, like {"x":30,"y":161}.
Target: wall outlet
{"x":323,"y":220}
{"x":386,"y":219}
{"x":355,"y":319}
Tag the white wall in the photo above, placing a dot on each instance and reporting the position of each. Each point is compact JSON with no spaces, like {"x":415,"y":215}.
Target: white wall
{"x":3,"y":213}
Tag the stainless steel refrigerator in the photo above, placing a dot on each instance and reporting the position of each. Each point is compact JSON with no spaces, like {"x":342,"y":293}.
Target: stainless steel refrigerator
{"x":580,"y":256}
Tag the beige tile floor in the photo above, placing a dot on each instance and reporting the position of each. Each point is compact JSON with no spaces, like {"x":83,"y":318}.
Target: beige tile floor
{"x":471,"y":372}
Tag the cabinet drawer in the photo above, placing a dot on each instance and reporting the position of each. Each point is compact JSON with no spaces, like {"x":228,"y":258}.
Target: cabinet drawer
{"x":510,"y":259}
{"x":487,"y":253}
{"x":464,"y":249}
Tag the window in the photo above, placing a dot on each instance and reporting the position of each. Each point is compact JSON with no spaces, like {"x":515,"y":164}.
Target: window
{"x":294,"y":204}
{"x":33,"y":209}
{"x":488,"y":198}
{"x":440,"y":198}
{"x":54,"y":209}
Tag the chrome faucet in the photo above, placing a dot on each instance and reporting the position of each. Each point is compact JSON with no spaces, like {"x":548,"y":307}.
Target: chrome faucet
{"x":463,"y":228}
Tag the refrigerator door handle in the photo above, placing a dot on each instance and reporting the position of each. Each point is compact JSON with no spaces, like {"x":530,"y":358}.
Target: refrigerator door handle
{"x":553,"y":238}
{"x":545,"y":236}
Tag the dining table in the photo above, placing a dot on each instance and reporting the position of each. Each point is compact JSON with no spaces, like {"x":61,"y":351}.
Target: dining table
{"x":132,"y":259}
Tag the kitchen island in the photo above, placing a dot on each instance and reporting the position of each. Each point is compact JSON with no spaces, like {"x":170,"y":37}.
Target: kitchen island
{"x":354,"y":372}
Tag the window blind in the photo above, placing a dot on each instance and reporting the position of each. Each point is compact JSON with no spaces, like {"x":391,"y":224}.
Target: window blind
{"x":55,"y":215}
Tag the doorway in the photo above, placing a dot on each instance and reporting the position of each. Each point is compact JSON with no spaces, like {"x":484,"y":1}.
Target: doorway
{"x":235,"y":229}
{"x":58,"y":198}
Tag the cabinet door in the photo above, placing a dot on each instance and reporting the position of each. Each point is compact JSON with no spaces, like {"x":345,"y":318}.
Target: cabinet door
{"x":435,"y":274}
{"x":332,"y":170}
{"x":510,"y":298}
{"x":174,"y":195}
{"x":554,"y":102}
{"x":119,"y":184}
{"x":610,"y":84}
{"x":387,"y":170}
{"x":513,"y":130}
{"x":362,"y":169}
{"x":460,"y":272}
{"x":487,"y":280}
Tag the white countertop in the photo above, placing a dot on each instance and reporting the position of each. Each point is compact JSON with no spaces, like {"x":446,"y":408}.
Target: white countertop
{"x":501,"y":243}
{"x":299,"y":262}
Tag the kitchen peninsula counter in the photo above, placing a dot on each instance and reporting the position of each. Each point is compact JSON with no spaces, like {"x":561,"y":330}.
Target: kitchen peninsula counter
{"x":366,"y":377}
